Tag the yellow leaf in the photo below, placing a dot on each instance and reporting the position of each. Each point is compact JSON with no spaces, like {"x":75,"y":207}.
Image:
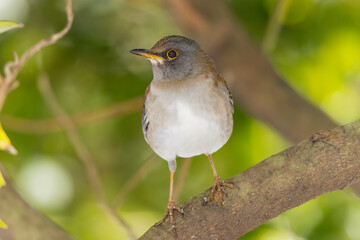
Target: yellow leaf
{"x":6,"y":25}
{"x":3,"y":225}
{"x":5,"y":143}
{"x":2,"y":180}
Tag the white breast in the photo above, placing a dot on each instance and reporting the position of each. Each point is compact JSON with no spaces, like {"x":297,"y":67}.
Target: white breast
{"x":188,"y":124}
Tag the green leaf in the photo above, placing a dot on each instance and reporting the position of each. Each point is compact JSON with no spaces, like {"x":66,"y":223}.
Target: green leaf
{"x":5,"y":143}
{"x":3,"y":225}
{"x":6,"y":25}
{"x":2,"y":181}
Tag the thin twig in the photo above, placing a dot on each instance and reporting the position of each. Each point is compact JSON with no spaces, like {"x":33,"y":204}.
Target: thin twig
{"x":134,"y":180}
{"x":42,"y":126}
{"x":80,"y":149}
{"x":275,"y":24}
{"x":12,"y":69}
{"x":181,"y":177}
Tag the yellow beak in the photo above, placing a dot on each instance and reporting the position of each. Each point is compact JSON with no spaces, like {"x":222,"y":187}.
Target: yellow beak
{"x":147,"y":54}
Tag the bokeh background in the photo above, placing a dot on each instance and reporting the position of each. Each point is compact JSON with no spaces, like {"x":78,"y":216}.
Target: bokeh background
{"x":317,"y":52}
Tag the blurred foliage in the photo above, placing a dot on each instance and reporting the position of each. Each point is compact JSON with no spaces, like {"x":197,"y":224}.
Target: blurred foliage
{"x":6,"y":25}
{"x":318,"y":51}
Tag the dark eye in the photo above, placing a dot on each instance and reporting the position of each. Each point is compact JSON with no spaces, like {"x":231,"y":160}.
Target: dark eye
{"x":172,"y":54}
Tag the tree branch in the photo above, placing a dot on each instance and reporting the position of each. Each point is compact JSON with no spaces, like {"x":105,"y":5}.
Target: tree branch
{"x":81,"y":150}
{"x":32,"y":126}
{"x":134,"y":180}
{"x":12,"y":69}
{"x":23,"y":221}
{"x":328,"y":161}
{"x":20,"y":219}
{"x":274,"y":26}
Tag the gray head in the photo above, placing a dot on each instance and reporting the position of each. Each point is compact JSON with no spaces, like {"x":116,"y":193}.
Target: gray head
{"x":175,"y":58}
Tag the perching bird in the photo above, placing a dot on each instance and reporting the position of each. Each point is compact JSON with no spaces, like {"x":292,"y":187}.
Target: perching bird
{"x":187,"y":109}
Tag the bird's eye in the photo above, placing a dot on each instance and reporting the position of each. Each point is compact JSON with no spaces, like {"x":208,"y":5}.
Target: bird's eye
{"x":172,"y":54}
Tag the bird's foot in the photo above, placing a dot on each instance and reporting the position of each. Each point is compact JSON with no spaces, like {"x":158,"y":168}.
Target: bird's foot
{"x":172,"y":207}
{"x":218,"y":184}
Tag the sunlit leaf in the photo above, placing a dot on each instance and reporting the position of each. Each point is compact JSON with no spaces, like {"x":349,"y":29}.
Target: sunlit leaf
{"x":5,"y":143}
{"x":6,"y":25}
{"x":2,"y":181}
{"x":3,"y":225}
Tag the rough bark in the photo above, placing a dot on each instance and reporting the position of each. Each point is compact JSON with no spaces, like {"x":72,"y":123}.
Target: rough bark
{"x":251,"y":77}
{"x":24,"y":222}
{"x":328,"y":161}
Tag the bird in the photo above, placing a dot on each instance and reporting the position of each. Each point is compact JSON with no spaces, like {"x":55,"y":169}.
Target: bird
{"x":188,"y":109}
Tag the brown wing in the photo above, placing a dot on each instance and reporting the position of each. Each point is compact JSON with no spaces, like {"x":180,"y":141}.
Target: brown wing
{"x":221,"y":81}
{"x":144,"y":120}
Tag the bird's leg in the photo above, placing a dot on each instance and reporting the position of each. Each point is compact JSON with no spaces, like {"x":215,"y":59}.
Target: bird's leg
{"x":172,"y":207}
{"x":217,"y":184}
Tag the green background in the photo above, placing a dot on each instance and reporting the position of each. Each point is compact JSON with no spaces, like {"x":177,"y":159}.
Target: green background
{"x":317,"y":52}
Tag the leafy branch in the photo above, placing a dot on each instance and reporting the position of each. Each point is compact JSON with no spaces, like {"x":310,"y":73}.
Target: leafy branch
{"x":11,"y":70}
{"x":8,"y":82}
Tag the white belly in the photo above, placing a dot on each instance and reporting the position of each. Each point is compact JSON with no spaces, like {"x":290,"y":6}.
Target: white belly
{"x":187,"y":130}
{"x":193,"y":133}
{"x":184,"y":123}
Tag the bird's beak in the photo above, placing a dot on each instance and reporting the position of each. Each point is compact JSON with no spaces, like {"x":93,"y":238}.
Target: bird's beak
{"x":147,"y":54}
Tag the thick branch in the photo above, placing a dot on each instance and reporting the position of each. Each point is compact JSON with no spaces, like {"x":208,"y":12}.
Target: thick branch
{"x":252,"y":79}
{"x":328,"y":161}
{"x":24,"y":222}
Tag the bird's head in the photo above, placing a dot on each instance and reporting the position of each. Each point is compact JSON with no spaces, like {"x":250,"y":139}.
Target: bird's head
{"x":175,"y":58}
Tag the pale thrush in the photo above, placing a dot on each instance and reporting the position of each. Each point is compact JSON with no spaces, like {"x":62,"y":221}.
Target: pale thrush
{"x":187,"y":109}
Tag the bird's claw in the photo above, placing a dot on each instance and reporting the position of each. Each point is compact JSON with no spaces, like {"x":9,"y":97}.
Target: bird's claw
{"x":172,"y":207}
{"x":218,"y":184}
